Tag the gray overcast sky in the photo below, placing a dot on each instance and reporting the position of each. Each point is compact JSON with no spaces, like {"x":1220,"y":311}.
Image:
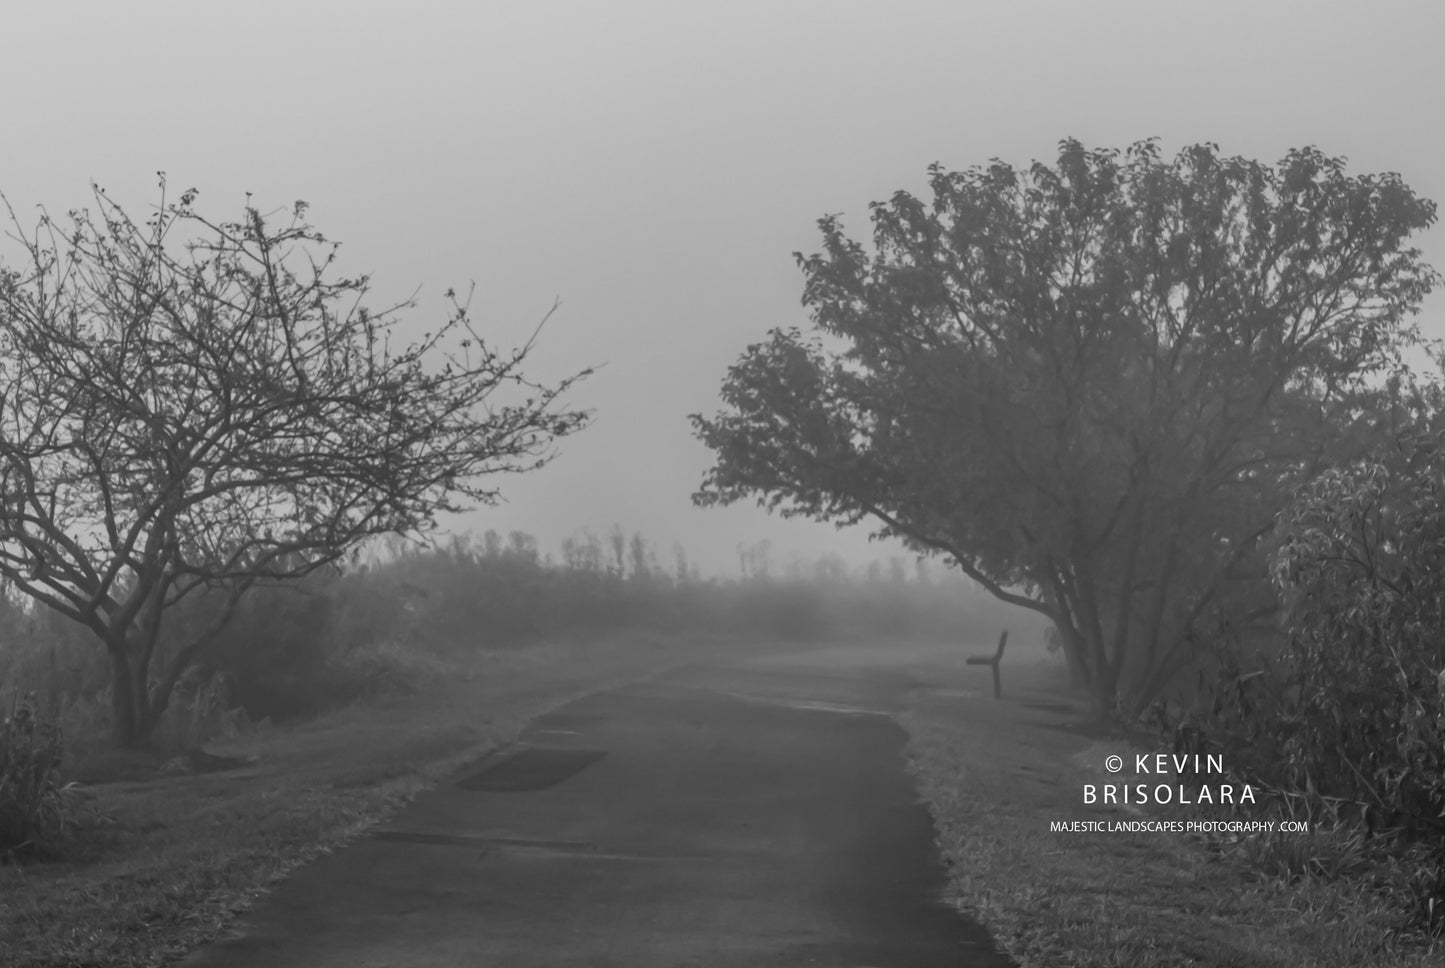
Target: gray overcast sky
{"x":655,"y":164}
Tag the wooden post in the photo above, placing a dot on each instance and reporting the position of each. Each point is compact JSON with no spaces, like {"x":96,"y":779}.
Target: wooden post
{"x":992,"y":662}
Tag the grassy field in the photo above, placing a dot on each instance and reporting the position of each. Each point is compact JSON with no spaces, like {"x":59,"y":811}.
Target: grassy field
{"x":166,"y":862}
{"x":996,"y":773}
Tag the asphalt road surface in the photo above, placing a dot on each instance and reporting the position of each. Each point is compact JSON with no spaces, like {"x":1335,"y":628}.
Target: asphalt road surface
{"x":752,"y":814}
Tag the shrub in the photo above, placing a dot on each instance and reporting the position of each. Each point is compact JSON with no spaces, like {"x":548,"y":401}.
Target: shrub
{"x":32,"y":801}
{"x":1362,"y":566}
{"x":272,"y":655}
{"x":1345,"y":725}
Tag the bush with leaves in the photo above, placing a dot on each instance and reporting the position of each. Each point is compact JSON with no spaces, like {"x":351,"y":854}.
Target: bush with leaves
{"x":1363,"y":569}
{"x":1340,"y":719}
{"x":1342,"y":722}
{"x":32,"y":800}
{"x":1361,"y":566}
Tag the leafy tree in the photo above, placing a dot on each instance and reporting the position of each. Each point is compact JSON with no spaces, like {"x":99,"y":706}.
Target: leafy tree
{"x":1089,"y":386}
{"x":192,"y":405}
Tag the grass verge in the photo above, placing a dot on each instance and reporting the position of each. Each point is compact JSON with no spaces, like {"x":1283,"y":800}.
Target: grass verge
{"x":165,"y":863}
{"x":996,"y":773}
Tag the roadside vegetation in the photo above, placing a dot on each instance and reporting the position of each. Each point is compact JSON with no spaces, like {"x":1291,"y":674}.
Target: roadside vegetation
{"x":1336,"y":721}
{"x":997,"y":774}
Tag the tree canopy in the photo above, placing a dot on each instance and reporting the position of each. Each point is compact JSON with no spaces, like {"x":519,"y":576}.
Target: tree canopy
{"x":190,"y":405}
{"x":1090,"y":385}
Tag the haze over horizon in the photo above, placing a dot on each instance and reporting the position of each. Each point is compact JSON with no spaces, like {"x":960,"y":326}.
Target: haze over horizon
{"x":654,"y":165}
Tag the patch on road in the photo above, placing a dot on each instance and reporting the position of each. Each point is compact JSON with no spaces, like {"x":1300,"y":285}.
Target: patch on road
{"x":531,"y":770}
{"x":568,"y":720}
{"x":1051,"y":707}
{"x":466,"y":840}
{"x":810,"y":705}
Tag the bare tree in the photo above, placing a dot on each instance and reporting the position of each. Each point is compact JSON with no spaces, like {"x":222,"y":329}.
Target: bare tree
{"x":191,"y":405}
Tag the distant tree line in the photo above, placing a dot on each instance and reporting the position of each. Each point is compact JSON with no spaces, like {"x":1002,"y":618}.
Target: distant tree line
{"x":338,"y":635}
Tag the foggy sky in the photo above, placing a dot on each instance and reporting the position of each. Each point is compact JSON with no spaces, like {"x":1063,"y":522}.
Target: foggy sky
{"x":654,"y":165}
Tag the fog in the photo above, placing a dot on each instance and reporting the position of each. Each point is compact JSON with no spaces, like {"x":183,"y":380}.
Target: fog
{"x":654,"y":165}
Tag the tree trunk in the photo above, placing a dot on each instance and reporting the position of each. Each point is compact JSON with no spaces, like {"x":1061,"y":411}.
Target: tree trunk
{"x":127,"y":708}
{"x":1103,"y":679}
{"x":1105,"y":694}
{"x":1078,"y":669}
{"x":133,"y":715}
{"x":52,"y":686}
{"x":137,"y":708}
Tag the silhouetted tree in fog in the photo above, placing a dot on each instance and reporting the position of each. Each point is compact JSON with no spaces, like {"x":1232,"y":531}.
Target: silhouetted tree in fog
{"x":217,"y":410}
{"x":1090,"y":386}
{"x":617,"y":542}
{"x":641,"y":557}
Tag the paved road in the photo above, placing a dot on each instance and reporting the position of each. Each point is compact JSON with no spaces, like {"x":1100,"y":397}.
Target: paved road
{"x":749,"y":815}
